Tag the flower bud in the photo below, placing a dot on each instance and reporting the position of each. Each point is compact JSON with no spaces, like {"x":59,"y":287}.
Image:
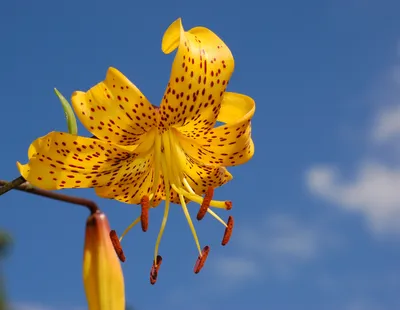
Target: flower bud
{"x":102,"y":272}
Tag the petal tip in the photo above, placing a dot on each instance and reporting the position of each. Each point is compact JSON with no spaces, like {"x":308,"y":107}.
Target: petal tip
{"x":23,"y":169}
{"x":170,"y":40}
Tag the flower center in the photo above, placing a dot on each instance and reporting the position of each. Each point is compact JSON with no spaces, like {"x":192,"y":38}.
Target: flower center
{"x":169,"y":161}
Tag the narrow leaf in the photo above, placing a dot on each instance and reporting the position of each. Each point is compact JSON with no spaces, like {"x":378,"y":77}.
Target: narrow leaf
{"x":69,"y":113}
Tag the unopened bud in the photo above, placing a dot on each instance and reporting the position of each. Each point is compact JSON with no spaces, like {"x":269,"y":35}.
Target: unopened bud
{"x":102,"y":273}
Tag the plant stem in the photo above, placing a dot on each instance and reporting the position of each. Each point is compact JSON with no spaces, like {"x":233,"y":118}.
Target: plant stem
{"x":7,"y":186}
{"x":91,"y":205}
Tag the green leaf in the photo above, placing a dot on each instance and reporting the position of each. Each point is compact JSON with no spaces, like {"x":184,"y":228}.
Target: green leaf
{"x":69,"y":113}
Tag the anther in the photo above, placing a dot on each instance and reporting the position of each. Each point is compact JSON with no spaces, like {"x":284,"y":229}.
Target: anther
{"x":228,"y":231}
{"x":154,"y":269}
{"x":144,"y":216}
{"x":205,"y":204}
{"x":201,"y":259}
{"x":117,"y":245}
{"x":228,"y":205}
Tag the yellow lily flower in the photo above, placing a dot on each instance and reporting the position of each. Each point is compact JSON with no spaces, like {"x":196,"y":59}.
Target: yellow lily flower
{"x":145,"y":154}
{"x":102,"y":273}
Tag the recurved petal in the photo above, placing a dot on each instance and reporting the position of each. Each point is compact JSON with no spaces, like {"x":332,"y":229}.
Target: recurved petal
{"x":229,"y":144}
{"x":61,"y":160}
{"x":200,"y":73}
{"x":201,"y":176}
{"x":115,"y":110}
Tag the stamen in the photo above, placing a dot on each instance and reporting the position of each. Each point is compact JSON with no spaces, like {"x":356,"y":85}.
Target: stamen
{"x":169,"y":168}
{"x":189,"y":220}
{"x":216,"y":217}
{"x":154,"y":269}
{"x":205,"y":204}
{"x":187,"y":185}
{"x":166,"y":209}
{"x":176,"y":153}
{"x":157,"y":163}
{"x":144,"y":216}
{"x":201,"y":259}
{"x":163,"y":223}
{"x":117,"y":245}
{"x":198,"y":199}
{"x":129,"y":228}
{"x":228,"y":231}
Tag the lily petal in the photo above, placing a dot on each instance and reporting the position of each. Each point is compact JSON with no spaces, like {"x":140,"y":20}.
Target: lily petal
{"x":134,"y":181}
{"x":229,"y":144}
{"x":200,"y":73}
{"x":201,"y":177}
{"x":115,"y":110}
{"x":60,"y":160}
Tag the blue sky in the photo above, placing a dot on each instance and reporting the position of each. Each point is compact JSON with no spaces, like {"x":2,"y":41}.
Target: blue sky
{"x":317,"y":208}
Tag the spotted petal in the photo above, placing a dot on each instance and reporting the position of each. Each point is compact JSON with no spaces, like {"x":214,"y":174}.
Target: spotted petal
{"x":115,"y":110}
{"x":229,"y":144}
{"x":200,"y":73}
{"x":201,"y":176}
{"x":60,"y":160}
{"x":134,"y":181}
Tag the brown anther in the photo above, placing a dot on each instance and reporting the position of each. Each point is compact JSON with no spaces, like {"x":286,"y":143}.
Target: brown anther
{"x":201,"y":259}
{"x":117,"y":245}
{"x":228,"y":205}
{"x":144,"y":216}
{"x":228,"y":231}
{"x":154,"y":270}
{"x":205,"y":204}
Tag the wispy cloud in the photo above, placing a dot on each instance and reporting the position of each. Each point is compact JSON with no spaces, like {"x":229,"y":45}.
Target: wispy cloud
{"x":387,"y":124}
{"x":38,"y":306}
{"x":374,"y":189}
{"x":374,"y":192}
{"x":273,"y":247}
{"x":281,"y":237}
{"x":235,"y":269}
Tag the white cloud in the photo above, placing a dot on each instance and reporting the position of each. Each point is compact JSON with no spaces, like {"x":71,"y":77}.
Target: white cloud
{"x":235,"y":269}
{"x":281,"y":236}
{"x":387,"y":124}
{"x":274,"y":247}
{"x":375,"y":192}
{"x":374,"y":189}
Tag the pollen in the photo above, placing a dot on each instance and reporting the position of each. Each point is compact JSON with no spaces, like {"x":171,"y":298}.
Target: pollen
{"x":117,"y":245}
{"x":205,"y":204}
{"x":228,"y":231}
{"x":154,"y":269}
{"x":144,"y":216}
{"x":228,"y":205}
{"x":201,"y":260}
